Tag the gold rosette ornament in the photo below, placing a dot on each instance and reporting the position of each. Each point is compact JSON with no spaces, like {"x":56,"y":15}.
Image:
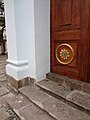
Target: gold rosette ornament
{"x":64,"y":54}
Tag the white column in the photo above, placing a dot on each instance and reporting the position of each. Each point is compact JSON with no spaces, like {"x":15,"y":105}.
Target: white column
{"x":17,"y":38}
{"x":28,"y":34}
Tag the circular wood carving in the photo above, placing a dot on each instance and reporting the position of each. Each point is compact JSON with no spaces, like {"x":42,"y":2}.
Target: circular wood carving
{"x":64,"y":54}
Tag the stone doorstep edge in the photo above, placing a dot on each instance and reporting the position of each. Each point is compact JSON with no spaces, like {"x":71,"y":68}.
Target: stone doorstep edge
{"x":63,"y":99}
{"x":74,"y":84}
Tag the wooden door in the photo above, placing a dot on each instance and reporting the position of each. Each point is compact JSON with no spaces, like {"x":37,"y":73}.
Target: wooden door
{"x":70,"y":38}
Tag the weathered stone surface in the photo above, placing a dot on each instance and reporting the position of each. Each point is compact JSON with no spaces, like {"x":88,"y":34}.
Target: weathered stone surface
{"x":18,"y":84}
{"x":80,"y":98}
{"x":3,"y":91}
{"x":2,"y":67}
{"x":53,"y":106}
{"x":2,"y":71}
{"x":34,"y":93}
{"x":2,"y":78}
{"x":26,"y":110}
{"x":62,"y":111}
{"x":2,"y":75}
{"x":55,"y":77}
{"x":86,"y":88}
{"x":3,"y":63}
{"x":17,"y":102}
{"x":75,"y":84}
{"x":3,"y":114}
{"x":3,"y":57}
{"x":54,"y":88}
{"x":31,"y":112}
{"x":0,"y":105}
{"x":12,"y":89}
{"x":4,"y":98}
{"x":6,"y":113}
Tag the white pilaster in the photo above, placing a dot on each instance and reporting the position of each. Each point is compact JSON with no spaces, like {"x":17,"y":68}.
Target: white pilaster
{"x":17,"y":39}
{"x":28,"y":34}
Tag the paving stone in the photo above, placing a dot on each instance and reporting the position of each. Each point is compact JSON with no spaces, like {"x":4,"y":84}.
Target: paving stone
{"x":3,"y":70}
{"x":34,"y":93}
{"x":26,"y":110}
{"x":31,"y":112}
{"x":17,"y":102}
{"x":0,"y":105}
{"x":75,"y":84}
{"x":3,"y":57}
{"x":3,"y":78}
{"x":2,"y":67}
{"x":6,"y":112}
{"x":13,"y":118}
{"x":55,"y":77}
{"x":11,"y":114}
{"x":80,"y":98}
{"x":3,"y":91}
{"x":86,"y":88}
{"x":3,"y":114}
{"x":4,"y":98}
{"x":2,"y":75}
{"x":2,"y":63}
{"x":54,"y":88}
{"x":62,"y":111}
{"x":3,"y":84}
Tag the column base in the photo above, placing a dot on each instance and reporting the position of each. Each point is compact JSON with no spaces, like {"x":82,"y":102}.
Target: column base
{"x":17,"y":69}
{"x":13,"y":83}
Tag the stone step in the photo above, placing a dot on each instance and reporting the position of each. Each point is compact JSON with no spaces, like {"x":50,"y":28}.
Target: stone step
{"x":3,"y":91}
{"x":54,"y":107}
{"x":80,"y":98}
{"x":26,"y":110}
{"x":74,"y":84}
{"x":75,"y":97}
{"x":54,"y":88}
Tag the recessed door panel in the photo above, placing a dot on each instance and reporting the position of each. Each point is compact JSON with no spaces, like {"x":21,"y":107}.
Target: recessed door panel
{"x":67,"y":15}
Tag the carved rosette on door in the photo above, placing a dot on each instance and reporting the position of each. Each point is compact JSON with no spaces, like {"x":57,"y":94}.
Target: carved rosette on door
{"x":64,"y":54}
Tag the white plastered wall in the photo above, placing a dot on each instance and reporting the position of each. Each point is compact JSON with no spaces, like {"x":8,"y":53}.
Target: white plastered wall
{"x":42,"y":37}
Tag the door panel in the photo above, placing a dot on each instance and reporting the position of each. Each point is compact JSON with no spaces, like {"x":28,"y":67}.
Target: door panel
{"x":67,"y":15}
{"x":65,"y":19}
{"x":67,"y":41}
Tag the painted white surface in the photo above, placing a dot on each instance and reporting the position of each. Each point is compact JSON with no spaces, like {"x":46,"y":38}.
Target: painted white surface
{"x":11,"y":29}
{"x":16,"y":39}
{"x":28,"y":34}
{"x":42,"y":37}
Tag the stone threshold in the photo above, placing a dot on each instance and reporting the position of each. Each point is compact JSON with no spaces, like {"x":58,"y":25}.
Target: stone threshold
{"x":54,"y":107}
{"x":74,"y":98}
{"x":72,"y":83}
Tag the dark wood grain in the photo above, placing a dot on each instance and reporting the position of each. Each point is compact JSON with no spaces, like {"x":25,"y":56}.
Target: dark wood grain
{"x":70,"y":24}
